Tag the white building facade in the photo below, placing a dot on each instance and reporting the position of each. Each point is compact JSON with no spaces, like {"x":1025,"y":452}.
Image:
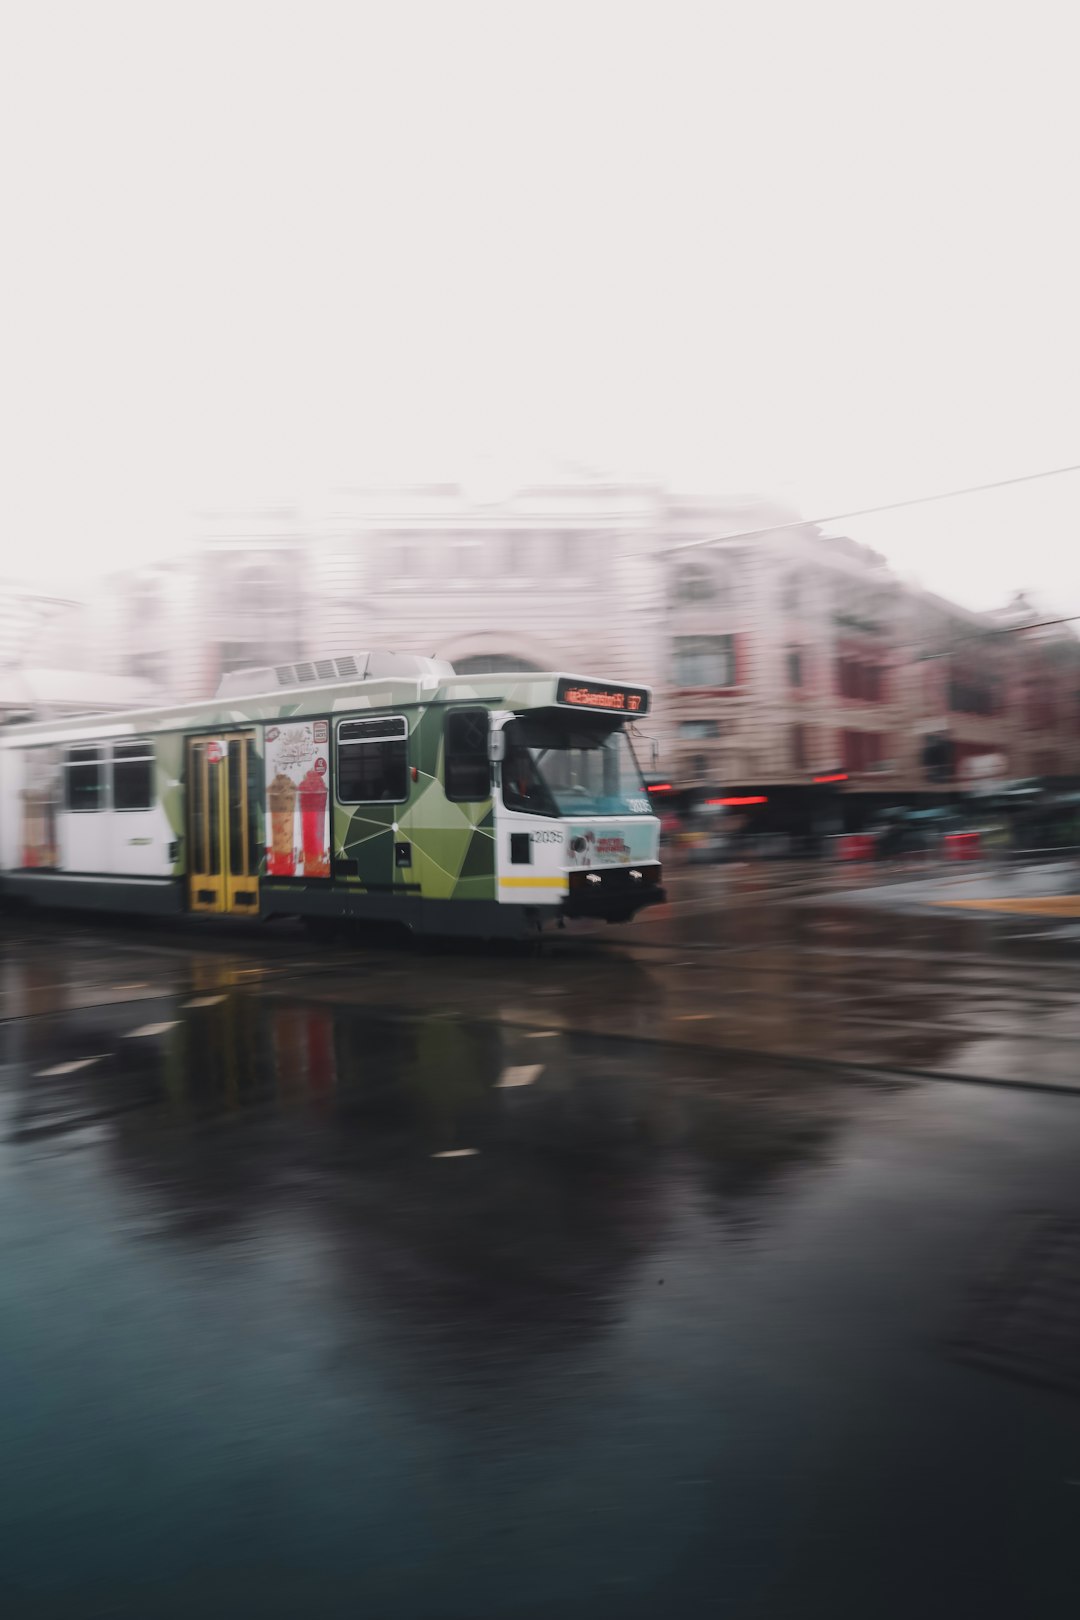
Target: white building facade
{"x":777,"y":654}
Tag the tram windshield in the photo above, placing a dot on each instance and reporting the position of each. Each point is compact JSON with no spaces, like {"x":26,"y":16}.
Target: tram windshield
{"x":555,"y":769}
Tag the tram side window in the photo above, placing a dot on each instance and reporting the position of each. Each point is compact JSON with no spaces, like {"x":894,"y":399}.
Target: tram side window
{"x":84,"y":779}
{"x":372,"y":761}
{"x":468,"y":770}
{"x":133,"y":775}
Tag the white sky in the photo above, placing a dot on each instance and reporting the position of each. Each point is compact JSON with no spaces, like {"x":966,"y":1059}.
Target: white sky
{"x":822,"y":249}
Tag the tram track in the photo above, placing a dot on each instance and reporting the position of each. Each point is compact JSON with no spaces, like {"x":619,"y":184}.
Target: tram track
{"x":814,"y":961}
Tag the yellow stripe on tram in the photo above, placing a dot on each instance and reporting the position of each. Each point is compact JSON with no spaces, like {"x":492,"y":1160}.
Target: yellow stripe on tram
{"x":534,"y":882}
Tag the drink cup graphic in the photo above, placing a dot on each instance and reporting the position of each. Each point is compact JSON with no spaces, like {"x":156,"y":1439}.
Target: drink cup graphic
{"x":313,"y":822}
{"x":281,"y":856}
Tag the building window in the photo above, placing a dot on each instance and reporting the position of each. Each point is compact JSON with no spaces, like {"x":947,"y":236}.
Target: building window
{"x":798,"y":748}
{"x":401,"y":558}
{"x":790,"y":594}
{"x":857,"y":679}
{"x":694,"y":583}
{"x":864,"y":750}
{"x":372,"y":761}
{"x":84,"y":780}
{"x":147,"y":666}
{"x":1041,"y":707}
{"x":133,"y":775}
{"x":468,"y":770}
{"x":516,"y":552}
{"x":973,"y":693}
{"x":468,"y":559}
{"x":794,"y":666}
{"x":705,"y":661}
{"x":691,"y":730}
{"x":258,"y":584}
{"x":938,"y":757}
{"x":145,"y":599}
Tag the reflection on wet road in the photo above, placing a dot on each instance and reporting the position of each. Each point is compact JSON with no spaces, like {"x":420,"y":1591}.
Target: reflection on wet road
{"x":322,"y":1291}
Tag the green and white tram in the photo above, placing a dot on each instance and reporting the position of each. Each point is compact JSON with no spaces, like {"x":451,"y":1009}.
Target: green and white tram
{"x":379,"y":786}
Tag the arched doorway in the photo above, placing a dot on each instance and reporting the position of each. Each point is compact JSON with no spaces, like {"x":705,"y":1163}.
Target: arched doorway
{"x":493,"y":664}
{"x":490,"y":652}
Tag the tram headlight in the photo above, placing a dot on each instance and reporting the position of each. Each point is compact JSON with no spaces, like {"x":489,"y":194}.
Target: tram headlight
{"x":614,"y":878}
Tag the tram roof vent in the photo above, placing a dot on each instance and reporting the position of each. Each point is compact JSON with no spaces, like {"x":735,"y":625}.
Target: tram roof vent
{"x":367,"y":666}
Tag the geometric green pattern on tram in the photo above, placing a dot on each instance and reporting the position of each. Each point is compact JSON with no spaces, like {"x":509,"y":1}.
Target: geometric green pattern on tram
{"x":479,"y":858}
{"x":453,"y":845}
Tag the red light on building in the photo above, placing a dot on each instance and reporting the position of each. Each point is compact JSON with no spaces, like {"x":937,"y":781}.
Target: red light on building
{"x":838,"y":776}
{"x":756,"y":798}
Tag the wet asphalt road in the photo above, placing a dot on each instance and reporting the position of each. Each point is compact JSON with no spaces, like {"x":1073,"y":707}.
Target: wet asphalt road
{"x":729,"y":1265}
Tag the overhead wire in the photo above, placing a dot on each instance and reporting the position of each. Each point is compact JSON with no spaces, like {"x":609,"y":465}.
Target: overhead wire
{"x":875,"y":511}
{"x":899,"y":506}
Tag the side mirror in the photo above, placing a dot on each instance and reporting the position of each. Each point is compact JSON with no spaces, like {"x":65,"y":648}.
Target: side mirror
{"x":497,"y":746}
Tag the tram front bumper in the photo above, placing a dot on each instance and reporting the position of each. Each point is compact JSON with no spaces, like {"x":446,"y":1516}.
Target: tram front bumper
{"x":613,"y":892}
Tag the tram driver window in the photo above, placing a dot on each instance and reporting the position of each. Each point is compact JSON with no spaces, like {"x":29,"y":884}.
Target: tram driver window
{"x":84,"y":780}
{"x":468,"y":770}
{"x":372,"y":761}
{"x":523,"y":788}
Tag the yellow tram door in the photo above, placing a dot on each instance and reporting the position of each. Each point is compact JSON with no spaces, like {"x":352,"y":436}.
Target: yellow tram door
{"x":224,"y":819}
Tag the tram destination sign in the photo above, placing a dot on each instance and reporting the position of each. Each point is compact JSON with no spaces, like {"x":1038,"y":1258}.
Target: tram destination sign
{"x":599,"y":695}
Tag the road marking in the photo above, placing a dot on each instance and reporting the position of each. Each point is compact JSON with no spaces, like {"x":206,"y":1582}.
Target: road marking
{"x":456,"y":1153}
{"x":69,"y":1068}
{"x":686,"y":1018}
{"x":520,"y":1074}
{"x":150,"y":1029}
{"x":204,"y":1001}
{"x":540,"y":1034}
{"x":1046,"y":905}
